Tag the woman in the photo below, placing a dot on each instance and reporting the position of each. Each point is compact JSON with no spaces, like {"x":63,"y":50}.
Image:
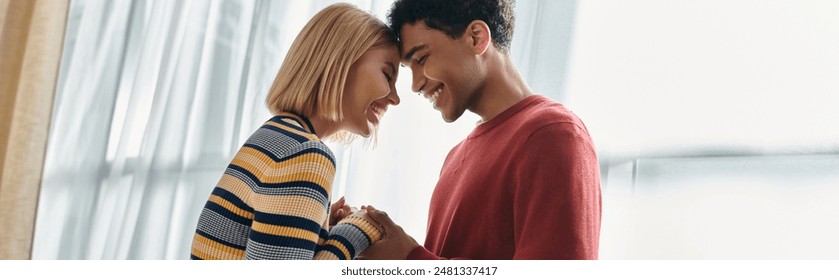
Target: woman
{"x":273,"y":200}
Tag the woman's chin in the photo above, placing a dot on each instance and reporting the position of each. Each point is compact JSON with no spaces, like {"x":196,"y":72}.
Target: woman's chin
{"x":365,"y":132}
{"x":371,"y":127}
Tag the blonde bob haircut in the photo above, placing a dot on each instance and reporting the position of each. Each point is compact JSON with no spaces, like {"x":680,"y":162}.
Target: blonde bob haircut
{"x":312,"y":77}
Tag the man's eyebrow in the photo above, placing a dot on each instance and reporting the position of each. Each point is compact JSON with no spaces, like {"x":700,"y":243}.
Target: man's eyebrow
{"x":413,"y":50}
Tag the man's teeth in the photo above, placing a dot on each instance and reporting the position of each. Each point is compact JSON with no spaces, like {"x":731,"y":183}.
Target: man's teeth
{"x":433,"y":96}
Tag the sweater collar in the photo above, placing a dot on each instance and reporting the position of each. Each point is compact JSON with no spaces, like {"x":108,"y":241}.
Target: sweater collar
{"x":301,"y":120}
{"x":504,"y":116}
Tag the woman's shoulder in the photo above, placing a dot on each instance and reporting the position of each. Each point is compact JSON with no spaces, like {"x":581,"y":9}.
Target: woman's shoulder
{"x":280,"y":139}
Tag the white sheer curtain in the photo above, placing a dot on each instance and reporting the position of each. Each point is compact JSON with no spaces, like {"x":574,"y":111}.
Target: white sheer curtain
{"x":154,"y":97}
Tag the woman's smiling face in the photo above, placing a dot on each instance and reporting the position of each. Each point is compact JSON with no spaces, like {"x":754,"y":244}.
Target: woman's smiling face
{"x":370,"y":89}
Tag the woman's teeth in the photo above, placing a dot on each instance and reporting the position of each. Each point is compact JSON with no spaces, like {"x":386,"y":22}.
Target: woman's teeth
{"x":378,"y":110}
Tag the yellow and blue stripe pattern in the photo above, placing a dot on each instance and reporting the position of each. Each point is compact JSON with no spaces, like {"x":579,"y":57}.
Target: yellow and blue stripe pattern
{"x":273,"y":201}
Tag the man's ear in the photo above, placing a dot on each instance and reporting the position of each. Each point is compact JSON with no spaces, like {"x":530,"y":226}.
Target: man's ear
{"x":481,"y":38}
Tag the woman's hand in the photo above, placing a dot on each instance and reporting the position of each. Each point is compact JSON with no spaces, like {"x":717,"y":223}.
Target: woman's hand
{"x":339,"y":210}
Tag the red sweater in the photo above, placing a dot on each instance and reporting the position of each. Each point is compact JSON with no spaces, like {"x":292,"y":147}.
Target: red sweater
{"x":524,"y":185}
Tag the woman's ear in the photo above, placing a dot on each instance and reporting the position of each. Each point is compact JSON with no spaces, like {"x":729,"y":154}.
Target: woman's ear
{"x":481,"y":38}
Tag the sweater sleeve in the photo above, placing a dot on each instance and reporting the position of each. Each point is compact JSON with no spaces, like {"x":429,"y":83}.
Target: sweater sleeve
{"x":348,"y":238}
{"x":557,"y":201}
{"x":291,"y":205}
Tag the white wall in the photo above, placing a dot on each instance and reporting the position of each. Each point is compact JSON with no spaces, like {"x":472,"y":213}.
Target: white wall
{"x":696,"y":77}
{"x":767,"y":207}
{"x":715,"y":122}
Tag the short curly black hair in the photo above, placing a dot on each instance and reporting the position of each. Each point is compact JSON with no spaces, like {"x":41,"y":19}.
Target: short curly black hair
{"x":452,"y":17}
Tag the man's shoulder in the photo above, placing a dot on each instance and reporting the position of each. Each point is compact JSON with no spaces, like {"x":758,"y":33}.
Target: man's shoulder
{"x":545,"y":112}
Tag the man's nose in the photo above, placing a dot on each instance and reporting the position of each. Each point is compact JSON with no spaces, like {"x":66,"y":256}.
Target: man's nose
{"x":417,"y":80}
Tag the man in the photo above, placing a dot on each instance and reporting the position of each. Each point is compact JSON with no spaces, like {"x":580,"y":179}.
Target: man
{"x":525,"y":183}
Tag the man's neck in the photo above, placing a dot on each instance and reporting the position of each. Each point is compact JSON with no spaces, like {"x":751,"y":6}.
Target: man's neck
{"x":504,"y":88}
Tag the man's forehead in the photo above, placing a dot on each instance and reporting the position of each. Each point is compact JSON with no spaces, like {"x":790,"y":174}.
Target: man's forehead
{"x":413,"y":37}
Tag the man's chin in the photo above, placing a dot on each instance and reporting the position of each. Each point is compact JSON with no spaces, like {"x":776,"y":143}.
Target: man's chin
{"x":450,"y":117}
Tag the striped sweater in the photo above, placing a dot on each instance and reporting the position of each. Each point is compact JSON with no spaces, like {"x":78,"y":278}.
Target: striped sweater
{"x":273,"y":201}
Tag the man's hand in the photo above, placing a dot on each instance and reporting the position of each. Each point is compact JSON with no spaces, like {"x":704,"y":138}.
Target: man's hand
{"x":338,"y":211}
{"x":395,"y":245}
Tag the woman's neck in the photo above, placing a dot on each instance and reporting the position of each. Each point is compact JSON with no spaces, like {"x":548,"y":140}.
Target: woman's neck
{"x":323,"y":127}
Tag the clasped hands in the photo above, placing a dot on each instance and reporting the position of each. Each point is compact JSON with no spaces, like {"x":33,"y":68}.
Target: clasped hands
{"x":395,"y":243}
